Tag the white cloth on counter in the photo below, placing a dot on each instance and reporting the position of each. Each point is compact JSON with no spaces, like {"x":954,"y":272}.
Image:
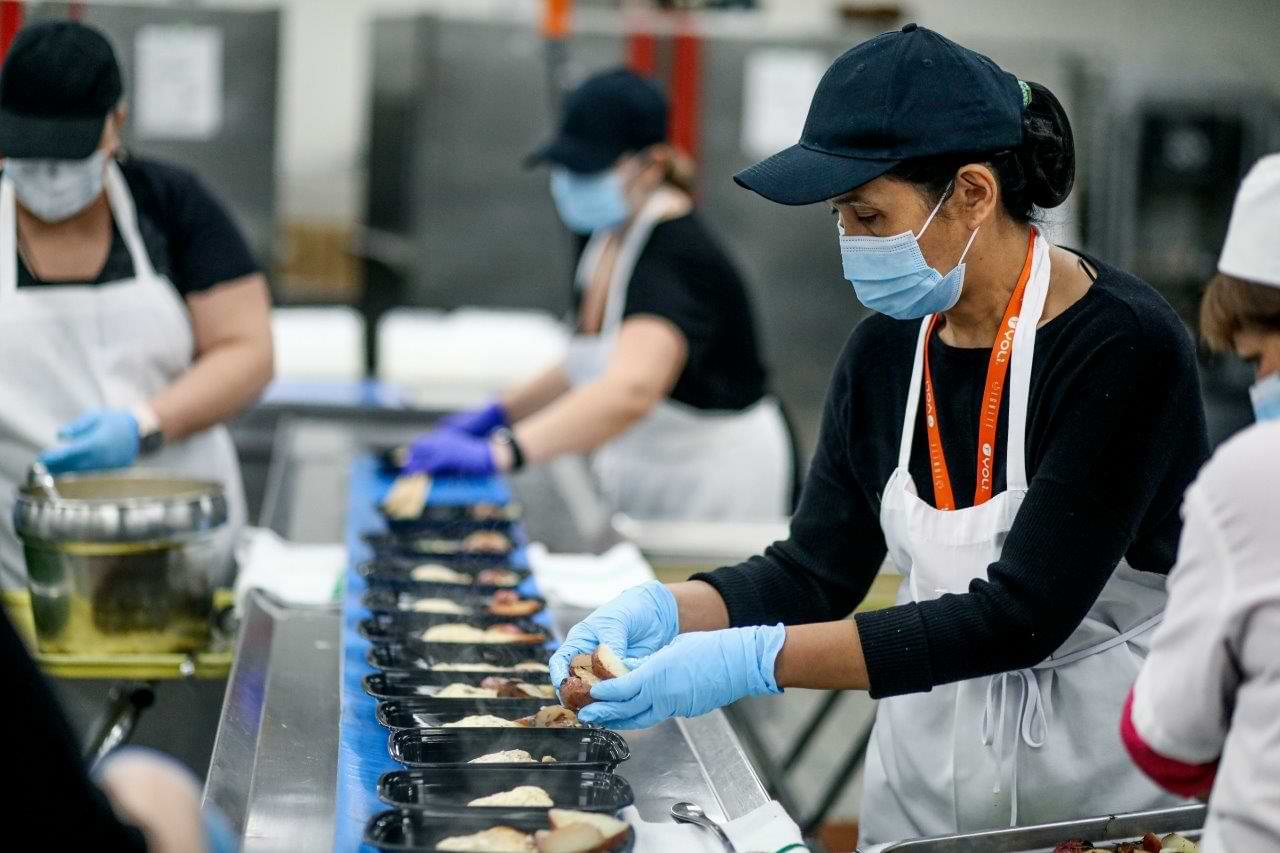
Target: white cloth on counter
{"x":764,"y":830}
{"x":587,"y":580}
{"x":306,"y":575}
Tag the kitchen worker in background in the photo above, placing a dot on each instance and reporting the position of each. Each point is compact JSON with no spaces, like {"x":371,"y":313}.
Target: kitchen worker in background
{"x":664,"y":378}
{"x":1202,"y":715}
{"x":1015,"y":427}
{"x":133,"y":319}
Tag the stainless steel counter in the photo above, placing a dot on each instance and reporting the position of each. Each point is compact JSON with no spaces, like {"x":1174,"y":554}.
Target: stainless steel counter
{"x":275,"y":756}
{"x":274,"y":762}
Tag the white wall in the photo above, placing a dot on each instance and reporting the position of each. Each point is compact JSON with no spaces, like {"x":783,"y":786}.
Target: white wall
{"x":324,"y":79}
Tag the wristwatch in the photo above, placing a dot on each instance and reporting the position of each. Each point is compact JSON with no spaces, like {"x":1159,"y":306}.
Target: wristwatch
{"x":503,"y":435}
{"x":150,"y":436}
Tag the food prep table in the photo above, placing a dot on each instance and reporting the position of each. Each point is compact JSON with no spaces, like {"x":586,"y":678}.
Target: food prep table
{"x":275,"y":760}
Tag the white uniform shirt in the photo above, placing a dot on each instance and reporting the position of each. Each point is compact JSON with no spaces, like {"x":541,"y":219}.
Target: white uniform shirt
{"x":1209,"y":693}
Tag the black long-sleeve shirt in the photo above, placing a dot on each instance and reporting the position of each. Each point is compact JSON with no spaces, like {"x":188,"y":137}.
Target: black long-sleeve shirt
{"x":50,"y":792}
{"x":1115,"y":434}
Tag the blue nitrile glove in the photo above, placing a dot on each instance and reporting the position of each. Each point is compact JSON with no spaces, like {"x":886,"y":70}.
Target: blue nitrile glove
{"x":218,"y":837}
{"x":697,"y":673}
{"x":103,"y":438}
{"x":477,"y":422}
{"x":635,"y":624}
{"x":447,"y":452}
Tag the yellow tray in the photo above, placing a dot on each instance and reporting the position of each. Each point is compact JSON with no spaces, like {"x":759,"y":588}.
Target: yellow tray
{"x":17,"y":603}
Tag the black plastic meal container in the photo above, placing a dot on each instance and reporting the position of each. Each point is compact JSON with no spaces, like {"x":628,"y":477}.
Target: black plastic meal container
{"x":403,"y":627}
{"x":404,"y":685}
{"x":583,"y":749}
{"x":456,"y":521}
{"x":411,"y":658}
{"x":426,"y":545}
{"x":426,"y":713}
{"x":395,"y":574}
{"x":385,"y":600}
{"x":416,"y":829}
{"x":449,"y":791}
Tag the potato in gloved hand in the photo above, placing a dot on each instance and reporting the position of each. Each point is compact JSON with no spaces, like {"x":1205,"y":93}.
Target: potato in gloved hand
{"x":588,"y":671}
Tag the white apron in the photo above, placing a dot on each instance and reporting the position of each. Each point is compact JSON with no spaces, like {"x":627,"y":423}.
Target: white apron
{"x":680,"y":462}
{"x":65,"y":349}
{"x":1023,"y":747}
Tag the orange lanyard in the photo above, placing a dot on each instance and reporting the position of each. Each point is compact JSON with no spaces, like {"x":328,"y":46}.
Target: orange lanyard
{"x":997,"y":370}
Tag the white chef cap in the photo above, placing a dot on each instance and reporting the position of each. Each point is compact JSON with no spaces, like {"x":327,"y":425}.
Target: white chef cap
{"x":1252,"y":249}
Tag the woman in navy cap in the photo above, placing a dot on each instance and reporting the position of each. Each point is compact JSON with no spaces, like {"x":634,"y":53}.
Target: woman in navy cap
{"x":664,"y":379}
{"x":1013,"y":429}
{"x":133,"y":319}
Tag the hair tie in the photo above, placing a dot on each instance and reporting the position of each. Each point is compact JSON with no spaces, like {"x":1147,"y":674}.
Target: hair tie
{"x":1026,"y":94}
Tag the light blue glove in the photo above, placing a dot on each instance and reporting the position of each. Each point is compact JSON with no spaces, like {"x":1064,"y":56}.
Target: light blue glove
{"x":218,"y":836}
{"x":97,"y":440}
{"x":695,"y":674}
{"x":635,"y":624}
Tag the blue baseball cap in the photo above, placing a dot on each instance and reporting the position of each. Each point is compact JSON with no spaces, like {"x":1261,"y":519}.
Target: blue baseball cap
{"x":899,"y":96}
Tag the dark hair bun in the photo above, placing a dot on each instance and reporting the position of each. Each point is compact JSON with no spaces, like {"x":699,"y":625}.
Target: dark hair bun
{"x":1047,"y":155}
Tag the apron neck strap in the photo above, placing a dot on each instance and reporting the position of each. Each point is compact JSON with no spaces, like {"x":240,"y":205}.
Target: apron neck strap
{"x":913,"y":396}
{"x":126,"y":216}
{"x":634,"y":239}
{"x":1024,"y":345}
{"x":8,"y":239}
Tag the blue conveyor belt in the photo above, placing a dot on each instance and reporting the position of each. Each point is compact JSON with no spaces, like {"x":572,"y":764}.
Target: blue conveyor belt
{"x":362,"y":742}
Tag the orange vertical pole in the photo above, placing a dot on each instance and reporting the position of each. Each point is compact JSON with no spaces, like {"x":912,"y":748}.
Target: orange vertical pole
{"x":556,"y":15}
{"x":642,"y":53}
{"x":686,"y":83}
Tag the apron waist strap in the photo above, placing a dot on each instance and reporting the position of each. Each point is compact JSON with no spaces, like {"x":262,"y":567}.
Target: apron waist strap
{"x":1106,"y":645}
{"x":1033,"y":726}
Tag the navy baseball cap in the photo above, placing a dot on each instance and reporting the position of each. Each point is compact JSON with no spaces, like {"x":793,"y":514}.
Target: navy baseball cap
{"x":901,"y":95}
{"x":58,"y":84}
{"x":607,"y":116}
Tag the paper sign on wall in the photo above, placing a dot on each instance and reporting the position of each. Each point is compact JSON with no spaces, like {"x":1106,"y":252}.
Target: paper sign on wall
{"x":178,"y":82}
{"x":779,"y":83}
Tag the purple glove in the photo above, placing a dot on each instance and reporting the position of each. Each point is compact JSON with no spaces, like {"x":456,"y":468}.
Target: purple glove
{"x":477,"y":422}
{"x":448,"y":452}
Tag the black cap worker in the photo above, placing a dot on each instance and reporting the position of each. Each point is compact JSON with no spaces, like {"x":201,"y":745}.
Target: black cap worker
{"x":664,"y":379}
{"x":1014,"y":429}
{"x":133,"y":319}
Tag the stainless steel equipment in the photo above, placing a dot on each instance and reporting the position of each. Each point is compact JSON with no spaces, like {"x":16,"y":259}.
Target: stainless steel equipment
{"x":121,"y":563}
{"x":1109,"y":829}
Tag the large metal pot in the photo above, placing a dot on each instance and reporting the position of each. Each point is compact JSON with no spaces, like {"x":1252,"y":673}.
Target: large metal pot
{"x":121,"y":563}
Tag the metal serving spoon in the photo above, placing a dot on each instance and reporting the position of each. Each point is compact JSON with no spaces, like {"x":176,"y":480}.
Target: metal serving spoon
{"x":40,"y":478}
{"x":693,"y":813}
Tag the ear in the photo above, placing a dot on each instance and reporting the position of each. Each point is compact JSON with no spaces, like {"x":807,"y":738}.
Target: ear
{"x":977,"y":192}
{"x":112,"y":130}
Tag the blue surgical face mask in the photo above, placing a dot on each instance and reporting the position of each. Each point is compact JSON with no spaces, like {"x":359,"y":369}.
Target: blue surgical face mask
{"x":1265,"y":394}
{"x":890,"y":274}
{"x":588,"y":203}
{"x":56,"y":190}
